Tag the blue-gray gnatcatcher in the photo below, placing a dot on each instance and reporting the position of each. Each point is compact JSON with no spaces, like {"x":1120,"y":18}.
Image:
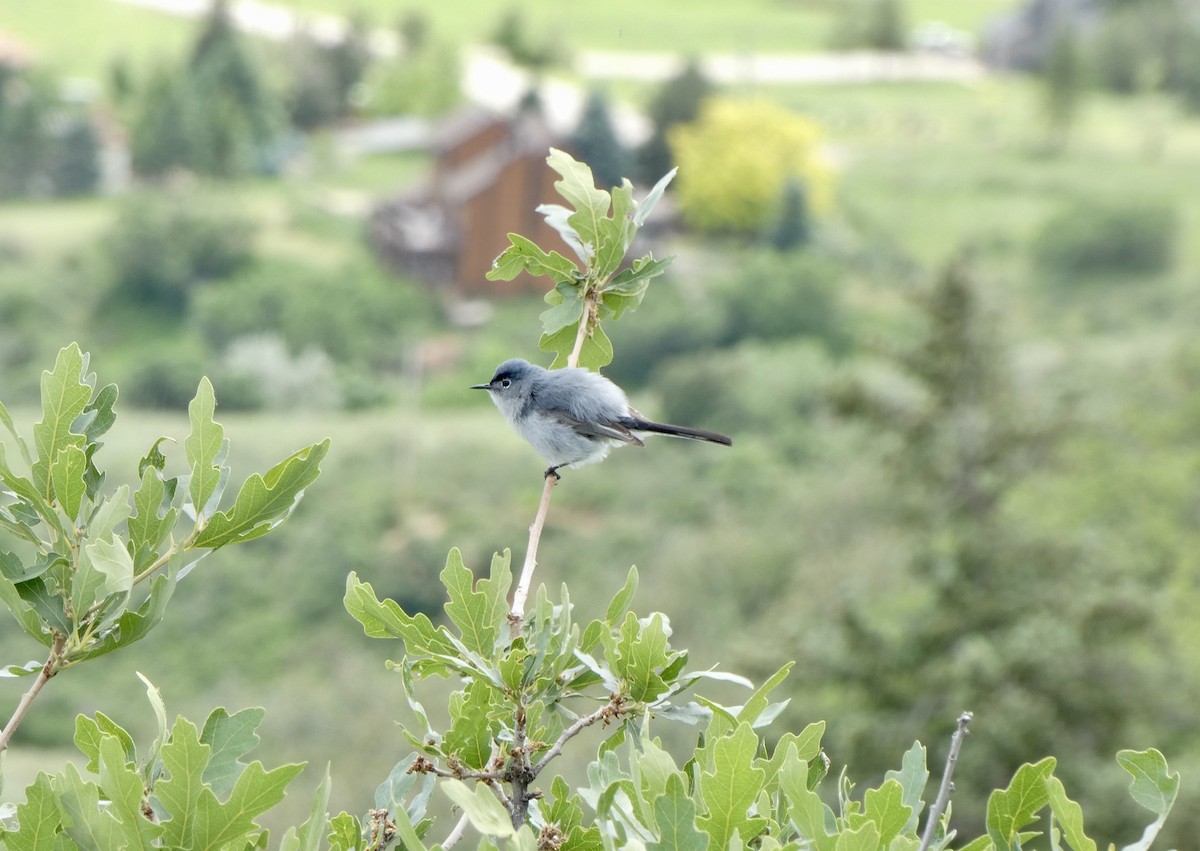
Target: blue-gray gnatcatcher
{"x":573,"y":416}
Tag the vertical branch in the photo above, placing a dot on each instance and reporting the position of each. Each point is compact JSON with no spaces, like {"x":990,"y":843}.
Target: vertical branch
{"x":586,"y":323}
{"x":48,"y":670}
{"x":943,"y":797}
{"x":516,"y":614}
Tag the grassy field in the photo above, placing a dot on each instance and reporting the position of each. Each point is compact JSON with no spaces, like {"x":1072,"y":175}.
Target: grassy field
{"x":82,"y":37}
{"x":759,"y":26}
{"x":101,"y":30}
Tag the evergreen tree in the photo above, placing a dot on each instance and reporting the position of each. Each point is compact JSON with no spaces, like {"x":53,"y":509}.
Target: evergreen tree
{"x":214,"y":115}
{"x":26,"y":101}
{"x":349,"y":59}
{"x":1041,"y":634}
{"x":871,"y":25}
{"x":165,"y":130}
{"x":1062,"y":76}
{"x":595,"y":142}
{"x":314,"y":99}
{"x":414,"y":30}
{"x":791,"y":228}
{"x":677,"y":102}
{"x":76,"y":162}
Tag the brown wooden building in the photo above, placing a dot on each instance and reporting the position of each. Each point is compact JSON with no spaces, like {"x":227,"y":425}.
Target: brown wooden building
{"x":489,"y":175}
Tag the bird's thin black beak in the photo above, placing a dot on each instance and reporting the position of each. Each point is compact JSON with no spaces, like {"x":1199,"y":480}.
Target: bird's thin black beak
{"x":480,"y":387}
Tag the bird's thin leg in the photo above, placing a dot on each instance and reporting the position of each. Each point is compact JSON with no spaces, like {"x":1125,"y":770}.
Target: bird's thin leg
{"x":553,"y":471}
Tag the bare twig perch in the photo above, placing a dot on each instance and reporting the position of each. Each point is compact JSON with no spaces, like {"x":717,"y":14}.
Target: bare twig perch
{"x":516,"y":614}
{"x":943,"y":797}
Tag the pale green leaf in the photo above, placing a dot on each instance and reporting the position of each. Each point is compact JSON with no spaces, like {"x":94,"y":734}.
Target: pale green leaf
{"x":265,"y":501}
{"x":122,"y":786}
{"x":24,"y":612}
{"x":99,"y":415}
{"x":675,"y":817}
{"x":578,"y":187}
{"x":90,"y":731}
{"x":523,"y":255}
{"x":385,"y":619}
{"x":471,"y":732}
{"x":255,"y":792}
{"x":66,"y":473}
{"x":85,"y":822}
{"x":156,"y":703}
{"x":345,"y":832}
{"x":153,"y":518}
{"x":49,"y":606}
{"x":1069,"y":816}
{"x":88,"y":585}
{"x":651,"y":768}
{"x":110,"y":557}
{"x":231,"y":737}
{"x":110,"y":513}
{"x":1153,"y":786}
{"x":912,"y":777}
{"x":479,"y":610}
{"x":26,"y":490}
{"x":730,"y":787}
{"x":185,"y":759}
{"x":641,"y":652}
{"x":33,"y":666}
{"x":621,"y":600}
{"x":863,"y":838}
{"x":154,"y":458}
{"x":39,"y":817}
{"x":886,"y":808}
{"x":652,"y":198}
{"x":567,"y":311}
{"x":623,"y":210}
{"x":558,"y":218}
{"x":809,"y":813}
{"x":597,"y":351}
{"x":486,"y":813}
{"x":132,"y":626}
{"x":753,"y":708}
{"x":1011,"y":810}
{"x":406,"y":832}
{"x":203,"y":446}
{"x":640,"y":272}
{"x":980,"y":843}
{"x":610,"y":247}
{"x":7,"y":421}
{"x":561,"y":344}
{"x":64,"y":396}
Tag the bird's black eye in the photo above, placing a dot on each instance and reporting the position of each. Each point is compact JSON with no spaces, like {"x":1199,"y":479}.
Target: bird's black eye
{"x":506,"y":382}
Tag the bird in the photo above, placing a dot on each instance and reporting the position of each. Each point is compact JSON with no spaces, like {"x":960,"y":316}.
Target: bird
{"x":574,"y":416}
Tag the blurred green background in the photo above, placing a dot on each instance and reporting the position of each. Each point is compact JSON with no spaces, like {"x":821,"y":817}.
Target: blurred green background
{"x":963,"y":392}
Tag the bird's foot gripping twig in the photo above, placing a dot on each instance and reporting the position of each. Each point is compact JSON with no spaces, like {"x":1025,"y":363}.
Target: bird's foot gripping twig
{"x":553,"y":471}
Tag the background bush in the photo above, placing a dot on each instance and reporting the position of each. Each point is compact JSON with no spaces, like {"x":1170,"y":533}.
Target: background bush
{"x":1108,"y":237}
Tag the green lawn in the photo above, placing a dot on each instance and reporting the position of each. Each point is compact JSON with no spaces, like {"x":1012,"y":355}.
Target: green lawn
{"x":698,"y":26}
{"x":81,"y":37}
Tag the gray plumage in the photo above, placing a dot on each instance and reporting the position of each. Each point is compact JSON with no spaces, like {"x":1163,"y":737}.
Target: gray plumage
{"x":574,"y":417}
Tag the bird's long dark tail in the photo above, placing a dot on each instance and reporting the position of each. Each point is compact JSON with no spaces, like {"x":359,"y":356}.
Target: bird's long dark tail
{"x":676,"y":431}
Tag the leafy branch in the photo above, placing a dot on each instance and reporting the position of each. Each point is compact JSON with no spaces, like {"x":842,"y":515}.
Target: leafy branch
{"x":599,"y":227}
{"x":81,"y":555}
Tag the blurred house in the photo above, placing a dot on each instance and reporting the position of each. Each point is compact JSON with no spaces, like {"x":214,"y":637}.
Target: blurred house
{"x":489,"y":175}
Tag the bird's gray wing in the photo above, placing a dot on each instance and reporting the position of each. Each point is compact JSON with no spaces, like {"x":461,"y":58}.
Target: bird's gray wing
{"x":614,"y":431}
